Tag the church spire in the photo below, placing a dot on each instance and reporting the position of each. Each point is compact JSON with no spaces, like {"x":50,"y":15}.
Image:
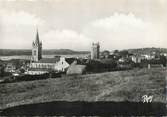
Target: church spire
{"x":36,"y":48}
{"x":37,"y":38}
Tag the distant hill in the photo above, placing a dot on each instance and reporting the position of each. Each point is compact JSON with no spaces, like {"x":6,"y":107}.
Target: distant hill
{"x":147,"y":50}
{"x":63,"y":51}
{"x":10,"y":52}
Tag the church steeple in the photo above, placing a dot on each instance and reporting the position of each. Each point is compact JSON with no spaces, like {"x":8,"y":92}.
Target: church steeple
{"x":37,"y":38}
{"x":37,"y":48}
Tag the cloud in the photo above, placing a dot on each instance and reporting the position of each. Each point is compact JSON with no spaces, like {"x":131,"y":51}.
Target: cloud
{"x":65,"y":38}
{"x":121,"y":31}
{"x":119,"y":21}
{"x":118,"y":31}
{"x":19,"y":18}
{"x":17,"y":28}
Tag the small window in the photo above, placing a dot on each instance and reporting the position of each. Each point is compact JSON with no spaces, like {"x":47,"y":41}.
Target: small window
{"x":34,"y":52}
{"x":62,"y":62}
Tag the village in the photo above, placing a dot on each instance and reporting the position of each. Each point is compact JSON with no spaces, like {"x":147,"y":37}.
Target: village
{"x":83,"y":58}
{"x":96,"y":62}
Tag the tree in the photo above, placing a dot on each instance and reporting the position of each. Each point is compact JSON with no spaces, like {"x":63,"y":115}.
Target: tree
{"x":163,"y":60}
{"x":22,"y":70}
{"x":115,"y":52}
{"x":1,"y":70}
{"x":105,"y":54}
{"x":124,"y":53}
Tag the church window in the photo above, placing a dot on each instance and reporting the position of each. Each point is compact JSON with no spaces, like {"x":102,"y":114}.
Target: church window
{"x":34,"y":52}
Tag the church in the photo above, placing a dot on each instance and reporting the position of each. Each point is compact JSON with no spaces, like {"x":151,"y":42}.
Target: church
{"x":40,"y":65}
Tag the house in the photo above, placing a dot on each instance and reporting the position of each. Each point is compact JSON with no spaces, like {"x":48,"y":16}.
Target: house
{"x":10,"y":67}
{"x":64,"y":63}
{"x":148,"y":56}
{"x":122,"y":59}
{"x":163,"y":54}
{"x":136,"y":59}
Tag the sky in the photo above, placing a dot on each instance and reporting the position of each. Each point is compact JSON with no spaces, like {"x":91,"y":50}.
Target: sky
{"x":76,"y":24}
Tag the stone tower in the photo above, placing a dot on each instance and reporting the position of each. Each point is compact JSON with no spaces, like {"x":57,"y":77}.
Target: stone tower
{"x":36,"y":48}
{"x":95,"y":51}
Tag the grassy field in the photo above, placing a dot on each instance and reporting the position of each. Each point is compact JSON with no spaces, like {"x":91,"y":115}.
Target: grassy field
{"x":110,"y":86}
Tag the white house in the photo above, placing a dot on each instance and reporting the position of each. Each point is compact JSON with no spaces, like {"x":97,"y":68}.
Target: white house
{"x":136,"y":59}
{"x":148,"y":56}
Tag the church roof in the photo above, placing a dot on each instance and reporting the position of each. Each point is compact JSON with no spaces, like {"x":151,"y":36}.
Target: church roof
{"x":56,"y":59}
{"x":49,"y":60}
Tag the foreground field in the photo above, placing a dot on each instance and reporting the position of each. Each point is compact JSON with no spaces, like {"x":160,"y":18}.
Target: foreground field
{"x":110,"y":86}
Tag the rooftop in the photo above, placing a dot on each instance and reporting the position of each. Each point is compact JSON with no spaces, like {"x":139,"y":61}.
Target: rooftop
{"x":48,"y":60}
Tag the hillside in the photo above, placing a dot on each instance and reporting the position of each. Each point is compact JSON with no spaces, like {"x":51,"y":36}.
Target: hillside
{"x":110,"y":86}
{"x":147,"y":50}
{"x":10,"y":52}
